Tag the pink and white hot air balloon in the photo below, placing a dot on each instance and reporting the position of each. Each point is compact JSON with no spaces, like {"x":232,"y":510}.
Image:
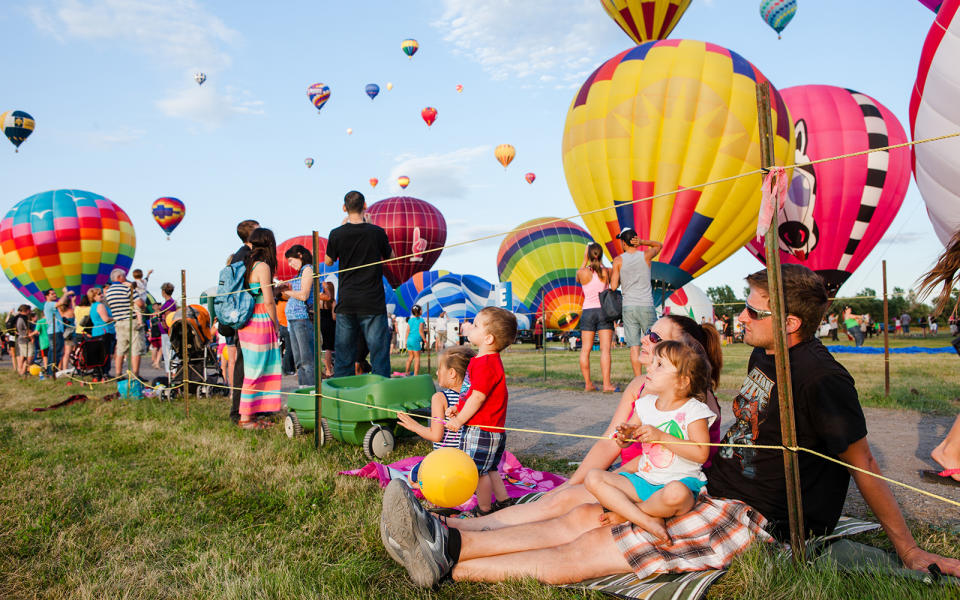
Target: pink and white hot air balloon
{"x":935,"y":110}
{"x":837,"y":211}
{"x":690,"y":301}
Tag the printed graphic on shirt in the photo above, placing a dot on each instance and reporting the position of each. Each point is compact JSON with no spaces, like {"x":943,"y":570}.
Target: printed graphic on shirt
{"x":658,"y":455}
{"x":465,"y":386}
{"x":748,"y":407}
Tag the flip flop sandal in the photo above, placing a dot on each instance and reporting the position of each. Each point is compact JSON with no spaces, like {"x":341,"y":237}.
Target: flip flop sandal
{"x":615,"y":390}
{"x":943,"y":477}
{"x":254,"y":425}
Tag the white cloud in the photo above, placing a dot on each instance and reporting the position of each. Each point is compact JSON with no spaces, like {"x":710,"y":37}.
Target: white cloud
{"x":907,"y":237}
{"x":205,"y":105}
{"x":438,"y":175}
{"x":123,"y":135}
{"x":512,"y":39}
{"x":178,"y":32}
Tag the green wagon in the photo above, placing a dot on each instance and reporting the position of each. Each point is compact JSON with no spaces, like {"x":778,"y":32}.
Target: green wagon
{"x":374,"y":429}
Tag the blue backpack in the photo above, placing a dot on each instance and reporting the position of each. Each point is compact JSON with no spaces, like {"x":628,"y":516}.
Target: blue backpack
{"x":232,"y":305}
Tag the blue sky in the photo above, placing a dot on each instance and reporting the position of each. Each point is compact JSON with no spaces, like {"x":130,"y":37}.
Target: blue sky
{"x":118,"y":113}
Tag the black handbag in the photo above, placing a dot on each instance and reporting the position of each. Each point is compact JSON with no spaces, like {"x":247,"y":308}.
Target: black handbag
{"x":956,"y":344}
{"x":611,"y":305}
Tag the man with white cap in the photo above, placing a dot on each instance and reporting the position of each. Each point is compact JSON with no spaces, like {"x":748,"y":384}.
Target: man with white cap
{"x":118,"y":297}
{"x":632,"y":270}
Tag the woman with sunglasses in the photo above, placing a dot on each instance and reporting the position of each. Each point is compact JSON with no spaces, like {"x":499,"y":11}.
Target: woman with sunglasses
{"x":605,"y":452}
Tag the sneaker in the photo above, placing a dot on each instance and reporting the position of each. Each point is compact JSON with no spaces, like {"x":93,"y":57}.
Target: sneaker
{"x":412,"y":536}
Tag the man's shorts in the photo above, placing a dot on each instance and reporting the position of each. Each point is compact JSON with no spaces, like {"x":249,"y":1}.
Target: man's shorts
{"x":25,"y":349}
{"x":592,"y":320}
{"x":636,"y":321}
{"x":123,"y":338}
{"x":484,"y":447}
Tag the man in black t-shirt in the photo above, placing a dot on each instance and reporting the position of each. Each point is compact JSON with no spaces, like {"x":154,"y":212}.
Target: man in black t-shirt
{"x":361,"y":304}
{"x":244,"y":229}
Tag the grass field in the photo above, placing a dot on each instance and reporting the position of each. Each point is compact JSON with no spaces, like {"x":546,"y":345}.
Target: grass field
{"x":136,"y":500}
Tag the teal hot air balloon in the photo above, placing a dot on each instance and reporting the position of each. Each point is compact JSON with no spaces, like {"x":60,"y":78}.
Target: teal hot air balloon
{"x":372,"y":90}
{"x":778,"y":13}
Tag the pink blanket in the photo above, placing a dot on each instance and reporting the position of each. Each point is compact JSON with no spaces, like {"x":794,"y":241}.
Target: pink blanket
{"x":518,"y":479}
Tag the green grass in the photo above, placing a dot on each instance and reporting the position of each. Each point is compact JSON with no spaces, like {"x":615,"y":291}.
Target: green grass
{"x":137,"y":500}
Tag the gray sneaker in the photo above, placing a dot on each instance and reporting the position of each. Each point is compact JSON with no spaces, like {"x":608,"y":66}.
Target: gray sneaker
{"x":412,"y":536}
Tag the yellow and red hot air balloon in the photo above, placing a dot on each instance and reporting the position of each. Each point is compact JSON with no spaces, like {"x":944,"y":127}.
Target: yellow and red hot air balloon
{"x":664,"y":117}
{"x":168,"y":212}
{"x":530,"y":177}
{"x":429,"y":115}
{"x":459,"y":88}
{"x":403,"y":181}
{"x":504,"y":154}
{"x":646,"y":20}
{"x":349,"y":130}
{"x":373,"y":182}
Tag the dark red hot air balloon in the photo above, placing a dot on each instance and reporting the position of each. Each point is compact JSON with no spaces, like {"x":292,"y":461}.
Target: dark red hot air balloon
{"x":412,"y":225}
{"x":284,"y":272}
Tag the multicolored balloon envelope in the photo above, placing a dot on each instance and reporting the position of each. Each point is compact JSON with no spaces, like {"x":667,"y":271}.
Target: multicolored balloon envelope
{"x":64,"y":238}
{"x":17,"y":126}
{"x":408,"y":291}
{"x":412,"y":225}
{"x":690,"y":301}
{"x":934,"y":111}
{"x":837,"y":211}
{"x":460,"y":296}
{"x":541,"y":258}
{"x":168,"y":212}
{"x":409,"y":47}
{"x":504,"y":154}
{"x":318,"y":94}
{"x":646,"y":20}
{"x":284,"y":272}
{"x":403,"y":181}
{"x":664,"y":117}
{"x":778,"y":13}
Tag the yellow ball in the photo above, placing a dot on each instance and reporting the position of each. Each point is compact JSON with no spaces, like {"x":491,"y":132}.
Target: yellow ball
{"x":35,"y":370}
{"x":448,"y":477}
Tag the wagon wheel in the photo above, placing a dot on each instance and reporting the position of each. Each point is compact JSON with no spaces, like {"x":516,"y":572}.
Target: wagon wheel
{"x":378,"y":442}
{"x":325,"y":434}
{"x":292,"y":426}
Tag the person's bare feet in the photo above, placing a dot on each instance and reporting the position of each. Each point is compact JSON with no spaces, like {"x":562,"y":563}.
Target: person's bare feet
{"x":654,"y":526}
{"x":590,"y":388}
{"x":940,"y":456}
{"x":608,"y":518}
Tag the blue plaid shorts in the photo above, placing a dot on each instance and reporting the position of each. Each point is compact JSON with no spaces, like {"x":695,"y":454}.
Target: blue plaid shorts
{"x":484,"y":447}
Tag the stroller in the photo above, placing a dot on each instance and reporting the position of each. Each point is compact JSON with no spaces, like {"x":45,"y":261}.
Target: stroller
{"x":90,"y":357}
{"x":199,"y":362}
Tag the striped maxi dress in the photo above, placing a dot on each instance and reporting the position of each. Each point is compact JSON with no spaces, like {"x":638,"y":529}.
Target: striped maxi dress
{"x":260,"y":344}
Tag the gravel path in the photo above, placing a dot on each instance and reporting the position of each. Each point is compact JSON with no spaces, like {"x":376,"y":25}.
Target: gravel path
{"x":901,"y":442}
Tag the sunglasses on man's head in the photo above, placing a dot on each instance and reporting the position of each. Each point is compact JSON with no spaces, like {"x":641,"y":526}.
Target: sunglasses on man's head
{"x":756,"y":314}
{"x":654,"y":336}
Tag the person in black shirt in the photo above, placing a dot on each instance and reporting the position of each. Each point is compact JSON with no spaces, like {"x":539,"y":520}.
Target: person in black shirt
{"x":244,"y":229}
{"x":361,"y":307}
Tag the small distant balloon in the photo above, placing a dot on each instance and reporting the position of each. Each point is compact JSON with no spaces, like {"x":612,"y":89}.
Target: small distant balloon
{"x":199,"y":78}
{"x":318,"y":94}
{"x":459,"y":88}
{"x":389,"y":86}
{"x":308,"y":162}
{"x":349,"y":130}
{"x":505,"y":154}
{"x":429,"y":115}
{"x":373,"y":182}
{"x":372,"y":90}
{"x":404,"y":181}
{"x":778,"y":13}
{"x":530,"y":177}
{"x":17,"y":126}
{"x":168,"y":212}
{"x":409,"y":47}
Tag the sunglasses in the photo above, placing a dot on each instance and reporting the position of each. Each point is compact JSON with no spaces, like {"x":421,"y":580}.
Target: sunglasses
{"x":654,"y":336}
{"x":756,"y":314}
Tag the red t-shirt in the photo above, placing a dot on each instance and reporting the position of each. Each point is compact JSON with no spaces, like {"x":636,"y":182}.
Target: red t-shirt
{"x":485,"y":374}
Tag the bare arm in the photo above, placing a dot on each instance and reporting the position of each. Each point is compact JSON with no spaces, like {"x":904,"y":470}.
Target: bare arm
{"x":261,"y":274}
{"x":104,"y":313}
{"x":698,"y":433}
{"x":306,"y":284}
{"x":433,"y":433}
{"x":615,"y":273}
{"x":653,"y":249}
{"x":470,"y":408}
{"x":327,"y":260}
{"x":884,"y":506}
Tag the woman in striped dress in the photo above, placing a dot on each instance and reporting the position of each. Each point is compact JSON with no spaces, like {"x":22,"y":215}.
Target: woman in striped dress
{"x":259,"y":338}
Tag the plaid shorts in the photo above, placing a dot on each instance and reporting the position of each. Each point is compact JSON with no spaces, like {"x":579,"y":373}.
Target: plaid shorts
{"x":484,"y":447}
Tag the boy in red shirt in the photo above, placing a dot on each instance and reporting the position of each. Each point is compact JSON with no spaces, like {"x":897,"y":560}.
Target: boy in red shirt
{"x":482,"y":410}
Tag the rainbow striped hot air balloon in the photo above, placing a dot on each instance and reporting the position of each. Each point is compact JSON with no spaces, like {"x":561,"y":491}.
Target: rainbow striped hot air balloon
{"x":318,"y":94}
{"x":541,"y":258}
{"x":64,"y":238}
{"x":168,"y":212}
{"x":409,"y":47}
{"x":662,"y":118}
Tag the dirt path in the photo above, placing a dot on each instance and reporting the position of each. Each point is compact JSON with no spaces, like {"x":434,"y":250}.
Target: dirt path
{"x":901,"y":442}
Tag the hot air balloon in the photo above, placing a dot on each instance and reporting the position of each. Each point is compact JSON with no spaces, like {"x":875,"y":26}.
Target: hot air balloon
{"x":284,"y":272}
{"x":934,"y":111}
{"x":504,"y":154}
{"x":349,"y":130}
{"x":837,"y":211}
{"x":308,"y":162}
{"x":17,"y":126}
{"x":403,"y":181}
{"x":690,"y":301}
{"x":372,"y":90}
{"x":373,"y":182}
{"x":318,"y":93}
{"x":460,"y":296}
{"x":168,"y":212}
{"x":412,"y":225}
{"x":459,"y":88}
{"x":662,"y":117}
{"x":408,"y":291}
{"x":199,"y":78}
{"x":530,"y":177}
{"x":389,"y":86}
{"x":541,"y":258}
{"x":646,"y":20}
{"x":64,"y":238}
{"x":778,"y":13}
{"x":409,"y":47}
{"x":933,"y":5}
{"x":429,"y":115}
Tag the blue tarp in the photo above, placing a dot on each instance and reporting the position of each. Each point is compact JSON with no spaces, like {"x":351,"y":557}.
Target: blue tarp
{"x":903,"y":350}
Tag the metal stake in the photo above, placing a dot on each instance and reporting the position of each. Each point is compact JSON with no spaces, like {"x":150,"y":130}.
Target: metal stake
{"x":317,"y":341}
{"x":886,"y":339}
{"x":184,"y":363}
